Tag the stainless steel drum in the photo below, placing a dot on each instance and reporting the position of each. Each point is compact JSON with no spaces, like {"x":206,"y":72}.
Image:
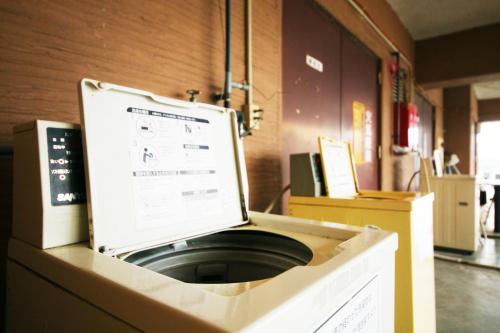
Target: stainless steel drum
{"x":225,"y":257}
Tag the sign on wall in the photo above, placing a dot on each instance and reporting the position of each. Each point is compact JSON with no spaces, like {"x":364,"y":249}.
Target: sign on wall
{"x":362,"y":120}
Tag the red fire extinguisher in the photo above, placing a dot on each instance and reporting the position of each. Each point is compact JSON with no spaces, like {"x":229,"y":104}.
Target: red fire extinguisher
{"x":406,"y":121}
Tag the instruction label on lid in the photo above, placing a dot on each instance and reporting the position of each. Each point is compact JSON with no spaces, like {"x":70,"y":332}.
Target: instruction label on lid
{"x":173,"y":167}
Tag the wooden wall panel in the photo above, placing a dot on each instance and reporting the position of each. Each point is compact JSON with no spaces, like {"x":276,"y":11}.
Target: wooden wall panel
{"x":459,"y":58}
{"x":459,"y":137}
{"x":489,"y":109}
{"x":162,"y":46}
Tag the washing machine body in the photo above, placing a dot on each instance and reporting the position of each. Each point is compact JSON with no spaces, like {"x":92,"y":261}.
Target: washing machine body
{"x":173,"y":246}
{"x":348,"y":286}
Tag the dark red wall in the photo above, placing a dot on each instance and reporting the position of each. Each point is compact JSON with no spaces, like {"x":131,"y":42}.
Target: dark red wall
{"x":320,"y":103}
{"x":459,"y":58}
{"x":311,"y":99}
{"x":359,"y":69}
{"x":458,"y":126}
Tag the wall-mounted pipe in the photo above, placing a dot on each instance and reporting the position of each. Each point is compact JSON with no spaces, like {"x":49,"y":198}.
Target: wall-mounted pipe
{"x":397,"y":140}
{"x":250,"y":113}
{"x":229,"y":84}
{"x":248,"y":52}
{"x":228,"y":79}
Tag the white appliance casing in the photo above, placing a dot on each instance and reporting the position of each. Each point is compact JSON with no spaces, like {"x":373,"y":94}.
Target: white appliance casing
{"x":35,"y":219}
{"x":348,"y":283}
{"x":82,"y":290}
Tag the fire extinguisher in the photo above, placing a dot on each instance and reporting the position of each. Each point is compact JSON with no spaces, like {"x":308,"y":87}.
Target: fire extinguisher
{"x":406,"y":125}
{"x":406,"y":117}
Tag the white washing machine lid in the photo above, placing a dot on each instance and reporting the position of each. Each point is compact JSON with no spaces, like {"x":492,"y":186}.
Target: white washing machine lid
{"x":158,"y":169}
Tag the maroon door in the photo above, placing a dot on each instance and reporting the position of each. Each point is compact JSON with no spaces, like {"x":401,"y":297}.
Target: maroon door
{"x":324,"y":72}
{"x":359,"y":125}
{"x":311,"y":93}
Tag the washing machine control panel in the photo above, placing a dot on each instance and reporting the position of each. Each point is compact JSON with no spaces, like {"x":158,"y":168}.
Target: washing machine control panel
{"x":49,"y":199}
{"x":66,"y":173}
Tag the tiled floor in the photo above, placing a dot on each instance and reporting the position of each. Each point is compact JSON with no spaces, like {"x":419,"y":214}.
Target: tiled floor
{"x":467,"y":298}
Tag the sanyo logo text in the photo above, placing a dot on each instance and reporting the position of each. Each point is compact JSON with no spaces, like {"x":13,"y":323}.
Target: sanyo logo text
{"x":66,"y":197}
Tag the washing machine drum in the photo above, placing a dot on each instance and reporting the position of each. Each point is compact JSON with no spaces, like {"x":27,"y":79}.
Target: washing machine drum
{"x":226,"y":257}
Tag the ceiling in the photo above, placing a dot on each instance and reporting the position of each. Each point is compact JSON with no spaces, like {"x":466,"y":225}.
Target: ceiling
{"x":487,"y":90}
{"x":430,"y":18}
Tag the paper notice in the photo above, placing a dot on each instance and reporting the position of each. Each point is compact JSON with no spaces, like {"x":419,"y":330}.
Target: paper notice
{"x":338,"y":170}
{"x":173,"y":167}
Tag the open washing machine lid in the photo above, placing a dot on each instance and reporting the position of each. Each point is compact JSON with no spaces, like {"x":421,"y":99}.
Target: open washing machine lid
{"x":158,"y":169}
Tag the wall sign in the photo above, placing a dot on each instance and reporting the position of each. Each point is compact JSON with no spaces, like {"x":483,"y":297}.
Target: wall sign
{"x":362,"y":120}
{"x":314,"y":63}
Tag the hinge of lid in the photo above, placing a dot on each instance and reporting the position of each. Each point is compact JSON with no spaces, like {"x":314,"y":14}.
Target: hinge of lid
{"x":107,"y":251}
{"x":379,"y":78}
{"x":379,"y":152}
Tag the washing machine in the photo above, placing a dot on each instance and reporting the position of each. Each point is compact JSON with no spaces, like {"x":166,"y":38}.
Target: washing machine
{"x":173,"y":246}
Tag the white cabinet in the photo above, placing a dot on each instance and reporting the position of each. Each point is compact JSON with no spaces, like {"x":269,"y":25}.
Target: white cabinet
{"x":456,"y":212}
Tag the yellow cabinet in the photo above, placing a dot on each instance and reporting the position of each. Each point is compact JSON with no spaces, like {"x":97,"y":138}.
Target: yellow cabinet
{"x":408,"y":214}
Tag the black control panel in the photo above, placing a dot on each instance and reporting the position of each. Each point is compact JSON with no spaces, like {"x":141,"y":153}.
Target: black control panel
{"x":67,"y":177}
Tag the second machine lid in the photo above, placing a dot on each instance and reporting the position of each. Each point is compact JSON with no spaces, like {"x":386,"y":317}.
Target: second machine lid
{"x":158,"y":169}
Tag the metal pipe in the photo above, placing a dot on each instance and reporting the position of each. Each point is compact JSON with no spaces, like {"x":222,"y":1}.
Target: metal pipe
{"x":276,"y":199}
{"x":228,"y":83}
{"x":360,"y":11}
{"x":465,"y":262}
{"x":249,"y":70}
{"x":398,"y":100}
